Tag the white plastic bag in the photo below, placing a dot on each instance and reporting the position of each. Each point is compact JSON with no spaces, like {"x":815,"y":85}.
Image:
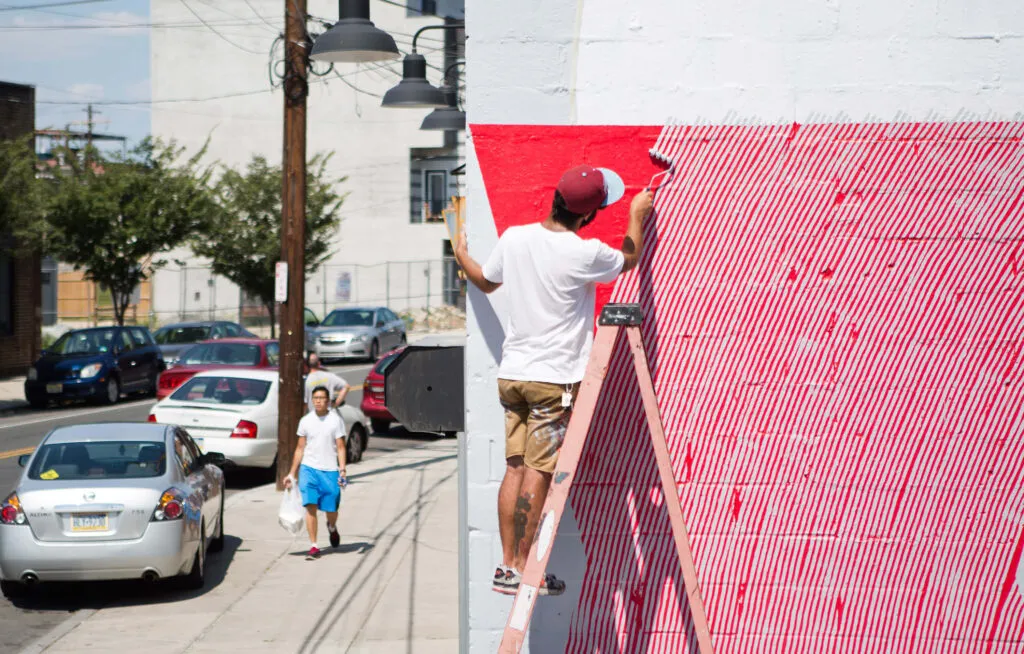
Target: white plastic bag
{"x":291,"y":515}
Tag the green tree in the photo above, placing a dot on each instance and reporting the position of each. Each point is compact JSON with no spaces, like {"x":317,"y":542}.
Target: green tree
{"x":244,"y":243}
{"x":22,"y":202}
{"x":112,"y":217}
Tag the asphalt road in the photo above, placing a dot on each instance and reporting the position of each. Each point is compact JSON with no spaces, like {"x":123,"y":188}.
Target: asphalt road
{"x":24,"y":623}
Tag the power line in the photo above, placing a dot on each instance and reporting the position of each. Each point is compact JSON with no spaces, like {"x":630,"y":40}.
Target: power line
{"x":112,"y":26}
{"x":260,"y":16}
{"x":50,"y":4}
{"x":208,"y":26}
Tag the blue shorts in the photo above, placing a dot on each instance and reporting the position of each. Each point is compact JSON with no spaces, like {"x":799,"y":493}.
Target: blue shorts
{"x":320,"y":487}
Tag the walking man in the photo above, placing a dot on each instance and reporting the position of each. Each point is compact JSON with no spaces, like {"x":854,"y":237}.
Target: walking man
{"x":549,"y":274}
{"x":317,"y":375}
{"x":319,"y":462}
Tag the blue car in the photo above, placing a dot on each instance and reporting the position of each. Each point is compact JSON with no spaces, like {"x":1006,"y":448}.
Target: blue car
{"x":97,"y":364}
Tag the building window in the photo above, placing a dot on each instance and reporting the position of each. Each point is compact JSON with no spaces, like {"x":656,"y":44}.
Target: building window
{"x":435,"y":195}
{"x":417,"y":8}
{"x":6,"y":295}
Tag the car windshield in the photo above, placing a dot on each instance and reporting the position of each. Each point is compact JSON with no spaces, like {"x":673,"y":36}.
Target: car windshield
{"x":348,"y":318}
{"x":179,"y":335}
{"x":222,"y":390}
{"x":228,"y":354}
{"x":99,"y":460}
{"x":85,"y":341}
{"x":386,"y":362}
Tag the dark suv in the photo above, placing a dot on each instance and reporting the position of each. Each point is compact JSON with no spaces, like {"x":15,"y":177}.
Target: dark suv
{"x":96,"y":364}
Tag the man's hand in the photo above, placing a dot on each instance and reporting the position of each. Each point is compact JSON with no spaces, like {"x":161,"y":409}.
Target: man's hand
{"x":288,"y":481}
{"x":642,"y":204}
{"x":471,"y":268}
{"x":461,"y":248}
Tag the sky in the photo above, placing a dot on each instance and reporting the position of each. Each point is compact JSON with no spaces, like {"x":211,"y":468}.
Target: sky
{"x":76,"y":53}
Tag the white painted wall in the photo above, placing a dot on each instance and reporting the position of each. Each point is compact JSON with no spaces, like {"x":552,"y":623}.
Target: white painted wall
{"x":594,"y":62}
{"x":371,"y":143}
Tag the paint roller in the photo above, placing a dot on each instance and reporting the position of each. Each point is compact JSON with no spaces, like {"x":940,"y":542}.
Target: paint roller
{"x":660,"y":157}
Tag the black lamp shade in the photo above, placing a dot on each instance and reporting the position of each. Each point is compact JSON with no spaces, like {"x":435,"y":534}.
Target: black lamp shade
{"x":354,"y":39}
{"x":447,"y":118}
{"x":414,"y":91}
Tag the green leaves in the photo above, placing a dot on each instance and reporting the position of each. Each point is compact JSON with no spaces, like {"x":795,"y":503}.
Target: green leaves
{"x":244,"y":242}
{"x":112,"y":217}
{"x":21,"y":198}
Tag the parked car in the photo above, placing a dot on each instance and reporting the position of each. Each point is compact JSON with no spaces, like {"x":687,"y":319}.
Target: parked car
{"x":309,"y":318}
{"x":373,"y":394}
{"x":362,"y":332}
{"x":225,"y":353}
{"x":97,"y":364}
{"x":234,"y":412}
{"x":112,"y":501}
{"x":175,"y":339}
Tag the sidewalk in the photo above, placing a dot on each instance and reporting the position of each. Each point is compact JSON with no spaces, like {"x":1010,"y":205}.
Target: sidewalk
{"x":392,"y":586}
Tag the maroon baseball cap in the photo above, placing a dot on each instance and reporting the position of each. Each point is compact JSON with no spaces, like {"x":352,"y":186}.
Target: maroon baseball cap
{"x":586,"y":188}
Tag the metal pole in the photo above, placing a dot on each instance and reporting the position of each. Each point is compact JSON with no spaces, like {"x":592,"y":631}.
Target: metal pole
{"x":184,"y":293}
{"x":293,"y":234}
{"x":387,"y":284}
{"x":324,"y":313}
{"x":427,"y":319}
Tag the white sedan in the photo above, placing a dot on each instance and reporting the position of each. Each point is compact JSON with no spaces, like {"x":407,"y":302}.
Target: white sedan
{"x":234,"y":412}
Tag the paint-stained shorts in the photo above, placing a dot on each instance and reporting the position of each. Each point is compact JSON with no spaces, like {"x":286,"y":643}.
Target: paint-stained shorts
{"x":535,"y":420}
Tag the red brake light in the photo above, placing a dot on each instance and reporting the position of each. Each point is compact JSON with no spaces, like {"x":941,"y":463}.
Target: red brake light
{"x":244,"y":429}
{"x":11,"y":513}
{"x":151,"y":418}
{"x":170,"y":506}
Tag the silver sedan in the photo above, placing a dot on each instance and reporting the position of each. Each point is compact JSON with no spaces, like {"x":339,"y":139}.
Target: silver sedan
{"x":112,"y":501}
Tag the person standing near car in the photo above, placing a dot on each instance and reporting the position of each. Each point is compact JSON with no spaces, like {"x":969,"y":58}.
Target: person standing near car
{"x":549,"y":274}
{"x":317,"y":375}
{"x":318,"y":465}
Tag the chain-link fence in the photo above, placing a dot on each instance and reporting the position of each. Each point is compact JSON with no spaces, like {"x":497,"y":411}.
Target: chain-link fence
{"x":421,"y":291}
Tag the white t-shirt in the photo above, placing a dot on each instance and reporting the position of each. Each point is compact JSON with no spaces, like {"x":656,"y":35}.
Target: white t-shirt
{"x":549,"y":279}
{"x":325,"y":378}
{"x":322,"y":436}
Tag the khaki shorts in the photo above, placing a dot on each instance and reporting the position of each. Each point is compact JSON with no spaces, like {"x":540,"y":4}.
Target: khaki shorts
{"x":535,"y":420}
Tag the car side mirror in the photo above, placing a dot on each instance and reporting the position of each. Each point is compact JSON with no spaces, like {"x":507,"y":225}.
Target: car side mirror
{"x":215,"y":458}
{"x":380,"y":323}
{"x":312,"y":322}
{"x":23,"y":460}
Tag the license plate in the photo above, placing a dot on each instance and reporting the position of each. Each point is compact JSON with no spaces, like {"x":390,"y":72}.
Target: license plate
{"x":89,"y":522}
{"x":55,"y":388}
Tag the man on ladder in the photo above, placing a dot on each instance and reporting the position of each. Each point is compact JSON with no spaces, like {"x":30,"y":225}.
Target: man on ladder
{"x":549,"y":273}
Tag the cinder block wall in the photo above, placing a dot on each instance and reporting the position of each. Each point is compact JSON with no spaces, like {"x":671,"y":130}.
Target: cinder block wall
{"x":833,"y":297}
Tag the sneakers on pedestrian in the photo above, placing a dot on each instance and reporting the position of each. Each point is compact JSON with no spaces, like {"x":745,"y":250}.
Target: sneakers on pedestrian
{"x":314,"y":554}
{"x":335,"y":536}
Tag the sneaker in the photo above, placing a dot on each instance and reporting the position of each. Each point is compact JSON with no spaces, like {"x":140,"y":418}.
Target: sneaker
{"x":314,"y":554}
{"x":506,"y":580}
{"x":335,"y":537}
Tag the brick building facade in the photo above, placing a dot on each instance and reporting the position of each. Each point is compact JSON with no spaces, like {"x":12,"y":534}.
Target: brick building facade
{"x":20,"y":298}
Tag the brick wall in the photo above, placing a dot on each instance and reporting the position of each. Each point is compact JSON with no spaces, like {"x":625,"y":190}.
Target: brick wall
{"x":18,"y":350}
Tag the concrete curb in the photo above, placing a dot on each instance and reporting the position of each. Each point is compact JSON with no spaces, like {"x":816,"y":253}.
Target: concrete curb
{"x":43,"y":643}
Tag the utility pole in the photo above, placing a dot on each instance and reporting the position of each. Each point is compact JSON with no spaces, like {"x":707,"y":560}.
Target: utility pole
{"x":293,"y":234}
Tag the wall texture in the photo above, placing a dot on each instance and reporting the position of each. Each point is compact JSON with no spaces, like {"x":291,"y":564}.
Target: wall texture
{"x":832,"y":287}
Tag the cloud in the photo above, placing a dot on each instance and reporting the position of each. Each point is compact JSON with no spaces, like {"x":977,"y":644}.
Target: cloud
{"x":86,"y":91}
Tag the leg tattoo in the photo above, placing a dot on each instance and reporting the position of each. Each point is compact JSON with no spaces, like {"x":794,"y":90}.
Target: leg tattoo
{"x":521,"y":517}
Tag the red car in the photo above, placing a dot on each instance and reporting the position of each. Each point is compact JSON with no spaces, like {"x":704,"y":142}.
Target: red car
{"x":373,"y":394}
{"x":221,"y":353}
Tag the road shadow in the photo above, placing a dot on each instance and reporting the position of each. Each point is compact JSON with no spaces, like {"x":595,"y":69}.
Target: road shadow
{"x":360,"y":547}
{"x":74,"y":596}
{"x":246,"y":478}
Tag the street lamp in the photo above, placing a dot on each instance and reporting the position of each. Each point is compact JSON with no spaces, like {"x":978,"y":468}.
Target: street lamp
{"x":354,"y":39}
{"x":449,"y":117}
{"x":414,"y":91}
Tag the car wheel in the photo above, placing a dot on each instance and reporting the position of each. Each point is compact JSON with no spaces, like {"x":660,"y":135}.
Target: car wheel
{"x":380,"y":425}
{"x":13,"y":590}
{"x":196,"y":577}
{"x":112,"y":392}
{"x":374,"y":350}
{"x":217,"y":544}
{"x":354,"y":453}
{"x":37,"y":402}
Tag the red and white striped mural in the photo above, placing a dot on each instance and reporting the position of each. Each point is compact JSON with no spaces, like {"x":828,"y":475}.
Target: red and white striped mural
{"x":834,"y":323}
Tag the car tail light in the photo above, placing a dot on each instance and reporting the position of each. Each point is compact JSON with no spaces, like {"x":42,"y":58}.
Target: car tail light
{"x":151,"y":418}
{"x":366,"y":385}
{"x":11,"y":513}
{"x":171,"y":506}
{"x":244,"y":429}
